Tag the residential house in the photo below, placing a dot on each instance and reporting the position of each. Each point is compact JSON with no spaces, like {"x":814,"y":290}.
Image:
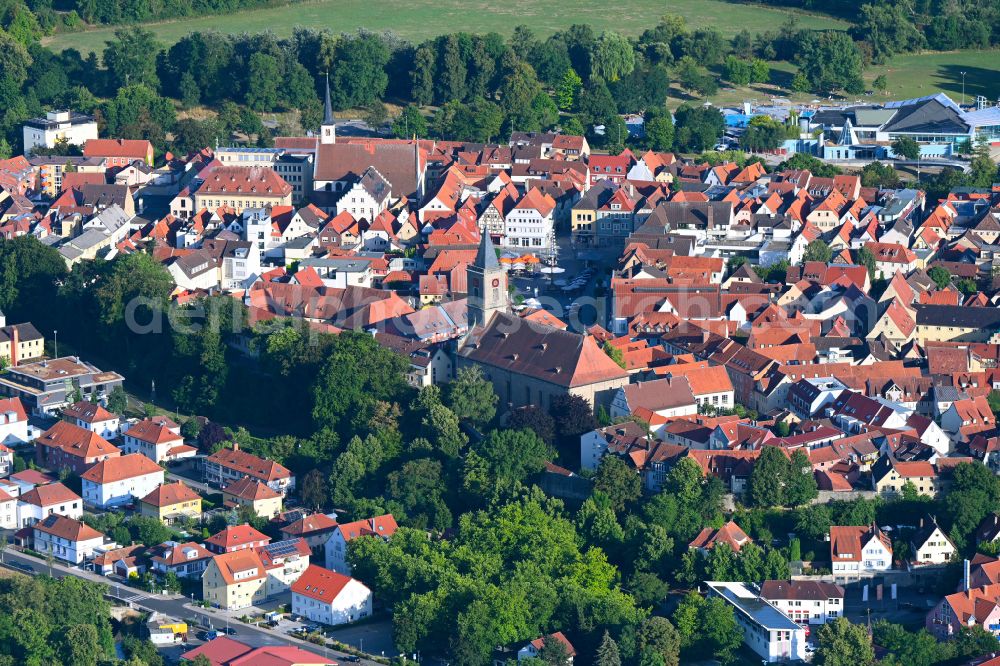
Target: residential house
{"x":93,"y":417}
{"x":236,"y":537}
{"x":20,"y":343}
{"x":65,"y":539}
{"x":729,"y":534}
{"x":46,"y":500}
{"x":532,"y":649}
{"x":68,"y":446}
{"x":975,"y":607}
{"x":966,"y":418}
{"x":930,"y":545}
{"x":315,"y":529}
{"x":120,"y":480}
{"x":13,"y":429}
{"x":383,"y":526}
{"x":171,"y":501}
{"x":228,"y":465}
{"x":856,"y":550}
{"x":668,"y":397}
{"x":710,"y":384}
{"x":529,"y":224}
{"x":156,"y":441}
{"x":185,"y":560}
{"x":254,"y":495}
{"x":604,"y":216}
{"x":330,"y":598}
{"x":119,"y":153}
{"x":890,"y":476}
{"x":805,"y":601}
{"x":235,"y":580}
{"x":8,"y":511}
{"x":284,"y":562}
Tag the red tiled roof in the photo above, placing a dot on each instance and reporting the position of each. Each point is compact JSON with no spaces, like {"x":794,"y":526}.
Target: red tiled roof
{"x":153,"y":432}
{"x":135,"y":148}
{"x":730,"y":534}
{"x":320,"y":584}
{"x":49,"y":495}
{"x":236,"y":535}
{"x":76,"y":441}
{"x":124,"y":467}
{"x":169,"y":494}
{"x":67,"y":528}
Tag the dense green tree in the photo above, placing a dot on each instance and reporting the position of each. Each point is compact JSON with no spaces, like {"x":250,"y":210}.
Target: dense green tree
{"x":409,"y":123}
{"x":818,"y":250}
{"x":607,"y":652}
{"x":471,"y":396}
{"x":517,"y":91}
{"x":940,"y":276}
{"x":698,"y":128}
{"x":906,"y":148}
{"x":131,"y":58}
{"x":511,"y":456}
{"x":612,"y":58}
{"x":358,"y":77}
{"x":888,"y":29}
{"x":800,"y":486}
{"x":659,"y":636}
{"x":974,"y":493}
{"x":830,"y":60}
{"x":768,"y":478}
{"x":264,"y":81}
{"x":882,"y":176}
{"x":535,"y":419}
{"x":618,"y":481}
{"x":660,"y":131}
{"x":192,"y":135}
{"x":842,"y":643}
{"x":568,"y":89}
{"x":357,"y":372}
{"x":137,"y":112}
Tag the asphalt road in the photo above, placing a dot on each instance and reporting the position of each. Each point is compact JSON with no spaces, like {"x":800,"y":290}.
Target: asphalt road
{"x":180,"y":608}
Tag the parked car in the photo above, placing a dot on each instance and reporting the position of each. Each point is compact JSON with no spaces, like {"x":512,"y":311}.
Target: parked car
{"x":353,"y":658}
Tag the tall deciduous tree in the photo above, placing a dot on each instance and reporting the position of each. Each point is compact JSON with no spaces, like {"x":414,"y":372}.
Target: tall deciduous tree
{"x":618,"y":481}
{"x":842,"y":643}
{"x":131,"y":58}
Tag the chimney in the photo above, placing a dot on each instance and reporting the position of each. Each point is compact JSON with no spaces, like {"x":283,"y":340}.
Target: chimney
{"x":236,"y":446}
{"x":15,"y":341}
{"x":965,"y":575}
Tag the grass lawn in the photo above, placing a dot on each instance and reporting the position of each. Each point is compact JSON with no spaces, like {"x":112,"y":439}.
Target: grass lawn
{"x":908,"y":76}
{"x":419,"y":19}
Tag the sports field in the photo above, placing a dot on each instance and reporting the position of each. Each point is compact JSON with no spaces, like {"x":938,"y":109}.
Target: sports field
{"x":416,"y":20}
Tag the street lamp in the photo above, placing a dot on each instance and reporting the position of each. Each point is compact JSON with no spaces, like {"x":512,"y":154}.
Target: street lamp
{"x":963,"y":87}
{"x":55,"y":335}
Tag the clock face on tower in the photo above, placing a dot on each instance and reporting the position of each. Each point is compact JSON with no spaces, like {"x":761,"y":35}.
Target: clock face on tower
{"x":496,"y":282}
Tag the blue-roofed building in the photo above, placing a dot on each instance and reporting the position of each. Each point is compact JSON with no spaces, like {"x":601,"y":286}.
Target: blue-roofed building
{"x":766,"y":630}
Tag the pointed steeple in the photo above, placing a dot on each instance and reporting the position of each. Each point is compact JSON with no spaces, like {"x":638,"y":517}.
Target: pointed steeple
{"x":328,"y":130}
{"x":486,"y":257}
{"x":327,"y":106}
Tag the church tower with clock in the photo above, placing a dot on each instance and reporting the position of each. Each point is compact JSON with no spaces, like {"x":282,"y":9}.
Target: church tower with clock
{"x":487,"y":285}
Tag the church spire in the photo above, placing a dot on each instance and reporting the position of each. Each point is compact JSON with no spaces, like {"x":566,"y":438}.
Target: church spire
{"x":327,"y":106}
{"x":328,"y":130}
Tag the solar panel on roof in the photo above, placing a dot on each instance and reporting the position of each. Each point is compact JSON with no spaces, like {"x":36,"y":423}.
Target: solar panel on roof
{"x":280,"y":548}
